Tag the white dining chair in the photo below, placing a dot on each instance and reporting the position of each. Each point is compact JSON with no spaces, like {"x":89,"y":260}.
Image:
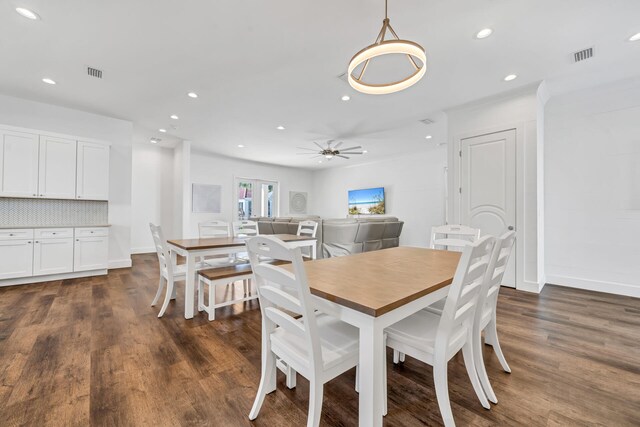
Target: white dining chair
{"x":214,"y":229}
{"x":434,"y":339}
{"x":318,"y":346}
{"x":169,"y":272}
{"x":245,"y":228}
{"x":485,"y":318}
{"x":453,"y":237}
{"x":307,"y":228}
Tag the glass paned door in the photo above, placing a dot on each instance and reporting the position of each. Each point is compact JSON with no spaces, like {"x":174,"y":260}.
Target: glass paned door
{"x":244,"y":198}
{"x":255,"y":197}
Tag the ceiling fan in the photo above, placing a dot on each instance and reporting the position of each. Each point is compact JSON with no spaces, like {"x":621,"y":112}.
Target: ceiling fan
{"x":329,"y":152}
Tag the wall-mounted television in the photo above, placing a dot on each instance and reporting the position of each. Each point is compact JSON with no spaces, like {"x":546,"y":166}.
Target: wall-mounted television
{"x":369,"y":201}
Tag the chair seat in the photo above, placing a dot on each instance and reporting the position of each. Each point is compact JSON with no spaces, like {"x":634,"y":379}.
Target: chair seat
{"x":419,"y":331}
{"x":339,"y":342}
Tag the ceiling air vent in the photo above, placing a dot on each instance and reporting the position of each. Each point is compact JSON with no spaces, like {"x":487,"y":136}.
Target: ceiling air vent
{"x":94,"y":72}
{"x":427,"y":121}
{"x":583,"y":54}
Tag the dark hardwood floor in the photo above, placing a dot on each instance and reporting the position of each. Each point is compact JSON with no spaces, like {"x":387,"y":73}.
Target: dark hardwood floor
{"x":92,"y":352}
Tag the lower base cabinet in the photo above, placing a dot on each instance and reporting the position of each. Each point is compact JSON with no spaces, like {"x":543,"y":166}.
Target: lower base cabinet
{"x":16,"y":259}
{"x":52,"y":256}
{"x":43,"y":252}
{"x":91,"y":253}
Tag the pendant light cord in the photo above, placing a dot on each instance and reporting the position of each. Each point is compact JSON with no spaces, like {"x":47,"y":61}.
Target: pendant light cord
{"x":385,"y":10}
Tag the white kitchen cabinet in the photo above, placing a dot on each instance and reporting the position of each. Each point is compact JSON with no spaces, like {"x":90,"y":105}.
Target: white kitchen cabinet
{"x":18,"y":164}
{"x":92,"y":171}
{"x":16,"y":258}
{"x":52,"y":256}
{"x":91,"y":253}
{"x":57,"y":168}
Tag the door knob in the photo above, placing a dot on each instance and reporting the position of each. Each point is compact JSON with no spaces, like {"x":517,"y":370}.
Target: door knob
{"x":510,"y":228}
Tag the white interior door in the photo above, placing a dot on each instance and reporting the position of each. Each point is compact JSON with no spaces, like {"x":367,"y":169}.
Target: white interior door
{"x":488,"y":186}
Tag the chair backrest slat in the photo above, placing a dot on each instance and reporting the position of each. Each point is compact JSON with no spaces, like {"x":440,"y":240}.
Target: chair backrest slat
{"x":281,"y":298}
{"x":453,"y":236}
{"x":274,"y":282}
{"x":214,"y":229}
{"x":308,"y":228}
{"x":245,"y":228}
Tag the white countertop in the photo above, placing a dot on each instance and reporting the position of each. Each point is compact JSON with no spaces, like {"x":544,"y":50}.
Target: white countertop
{"x":20,"y":227}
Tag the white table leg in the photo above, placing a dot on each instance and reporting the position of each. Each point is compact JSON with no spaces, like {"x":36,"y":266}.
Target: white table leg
{"x":189,"y":289}
{"x":371,"y":371}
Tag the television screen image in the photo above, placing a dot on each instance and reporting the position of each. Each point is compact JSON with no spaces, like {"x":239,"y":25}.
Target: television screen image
{"x":369,"y":201}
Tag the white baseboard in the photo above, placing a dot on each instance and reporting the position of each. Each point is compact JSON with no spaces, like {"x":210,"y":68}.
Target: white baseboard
{"x":51,"y":277}
{"x":120,"y":263}
{"x":625,"y":289}
{"x":143,"y":250}
{"x":528,"y":286}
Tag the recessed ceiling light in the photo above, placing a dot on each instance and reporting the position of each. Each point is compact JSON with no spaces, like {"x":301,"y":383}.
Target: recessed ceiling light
{"x":428,"y":137}
{"x":162,"y":130}
{"x":319,"y":161}
{"x":280,"y":128}
{"x":174,"y":117}
{"x":240,"y":146}
{"x":346,"y":98}
{"x":634,"y":38}
{"x":484,"y":33}
{"x":155,"y":140}
{"x":510,"y":77}
{"x":192,"y":95}
{"x":48,"y":81}
{"x":29,"y":14}
{"x":365,"y":151}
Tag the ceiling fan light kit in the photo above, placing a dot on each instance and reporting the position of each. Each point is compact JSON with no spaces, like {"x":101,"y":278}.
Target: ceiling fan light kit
{"x":381,"y":47}
{"x":330,"y":152}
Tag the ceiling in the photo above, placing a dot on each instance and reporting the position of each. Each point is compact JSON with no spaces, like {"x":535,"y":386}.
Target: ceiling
{"x":257,"y":65}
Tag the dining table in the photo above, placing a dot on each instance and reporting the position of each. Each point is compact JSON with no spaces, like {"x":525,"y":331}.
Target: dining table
{"x":373,"y":290}
{"x":196,"y":248}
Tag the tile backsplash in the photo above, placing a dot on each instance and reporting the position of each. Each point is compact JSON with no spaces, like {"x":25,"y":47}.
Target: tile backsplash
{"x":39,"y":212}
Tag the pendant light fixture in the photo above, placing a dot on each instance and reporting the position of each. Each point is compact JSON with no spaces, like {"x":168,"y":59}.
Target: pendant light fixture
{"x":385,"y":47}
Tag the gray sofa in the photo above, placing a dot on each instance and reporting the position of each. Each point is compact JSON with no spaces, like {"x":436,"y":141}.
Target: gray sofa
{"x":341,"y":236}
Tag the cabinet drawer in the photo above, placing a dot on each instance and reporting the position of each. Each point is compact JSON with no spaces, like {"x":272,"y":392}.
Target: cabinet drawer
{"x":16,"y":233}
{"x":92,"y":232}
{"x":53,"y":233}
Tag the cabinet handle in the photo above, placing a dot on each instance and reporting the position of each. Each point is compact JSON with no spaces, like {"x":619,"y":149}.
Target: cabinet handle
{"x":11,"y":234}
{"x":37,"y":241}
{"x":77,"y":240}
{"x":53,"y":234}
{"x":29,"y":242}
{"x":42,"y":195}
{"x":35,"y":195}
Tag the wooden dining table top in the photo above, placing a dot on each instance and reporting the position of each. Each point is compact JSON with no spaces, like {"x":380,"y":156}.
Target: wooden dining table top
{"x":377,"y":282}
{"x":227,"y":242}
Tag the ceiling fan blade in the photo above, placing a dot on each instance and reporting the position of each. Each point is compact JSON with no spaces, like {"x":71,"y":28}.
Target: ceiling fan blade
{"x":340,"y":155}
{"x":305,"y":148}
{"x":350,"y":152}
{"x":337,"y":145}
{"x":319,"y":146}
{"x":352,"y":148}
{"x":307,"y":154}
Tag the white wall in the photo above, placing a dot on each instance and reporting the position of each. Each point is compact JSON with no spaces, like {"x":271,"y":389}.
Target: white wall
{"x":152,"y":194}
{"x":592,"y":170}
{"x":514,"y":110}
{"x":46,"y":117}
{"x":414,"y":191}
{"x":206,"y":168}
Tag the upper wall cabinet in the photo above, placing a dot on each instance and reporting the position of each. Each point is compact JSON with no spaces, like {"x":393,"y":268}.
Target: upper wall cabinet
{"x":57,"y":177}
{"x":93,"y":171}
{"x":18,"y":164}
